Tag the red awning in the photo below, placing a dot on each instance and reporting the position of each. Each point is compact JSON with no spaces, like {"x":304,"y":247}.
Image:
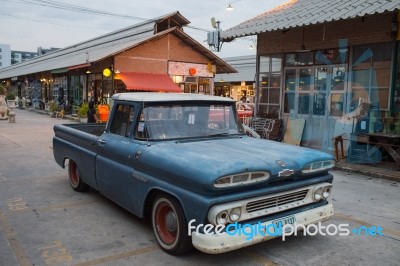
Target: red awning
{"x":148,"y":82}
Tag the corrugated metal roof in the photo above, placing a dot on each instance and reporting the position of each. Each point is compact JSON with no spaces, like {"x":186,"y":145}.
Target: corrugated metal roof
{"x":107,"y":45}
{"x":296,"y":13}
{"x":245,"y":66}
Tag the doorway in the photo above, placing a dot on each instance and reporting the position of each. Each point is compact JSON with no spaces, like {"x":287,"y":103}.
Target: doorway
{"x":317,"y":95}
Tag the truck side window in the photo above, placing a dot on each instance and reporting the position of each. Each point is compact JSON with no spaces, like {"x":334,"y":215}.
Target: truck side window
{"x":123,"y":120}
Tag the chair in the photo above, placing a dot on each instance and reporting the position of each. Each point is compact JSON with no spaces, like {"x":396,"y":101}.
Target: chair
{"x":258,"y":125}
{"x":263,"y":126}
{"x":269,"y":127}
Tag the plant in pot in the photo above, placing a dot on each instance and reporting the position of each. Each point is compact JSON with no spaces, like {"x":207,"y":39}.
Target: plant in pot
{"x":52,"y":108}
{"x":3,"y":109}
{"x":83,"y":110}
{"x":10,"y":97}
{"x":2,"y":91}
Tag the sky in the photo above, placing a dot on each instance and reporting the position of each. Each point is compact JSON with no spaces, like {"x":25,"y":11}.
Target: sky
{"x":28,"y":24}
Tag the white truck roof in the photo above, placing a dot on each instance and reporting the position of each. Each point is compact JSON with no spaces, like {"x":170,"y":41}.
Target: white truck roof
{"x":167,"y":97}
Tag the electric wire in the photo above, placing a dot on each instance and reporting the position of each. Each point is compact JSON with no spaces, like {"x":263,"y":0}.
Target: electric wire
{"x":82,"y":9}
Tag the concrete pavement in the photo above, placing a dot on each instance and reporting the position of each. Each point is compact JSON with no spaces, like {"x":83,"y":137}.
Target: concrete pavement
{"x":44,"y":222}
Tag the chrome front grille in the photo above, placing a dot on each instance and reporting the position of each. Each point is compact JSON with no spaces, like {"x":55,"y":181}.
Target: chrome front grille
{"x":277,"y":201}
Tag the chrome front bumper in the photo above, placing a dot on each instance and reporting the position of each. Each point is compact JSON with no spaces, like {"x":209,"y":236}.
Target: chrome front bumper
{"x":224,"y":242}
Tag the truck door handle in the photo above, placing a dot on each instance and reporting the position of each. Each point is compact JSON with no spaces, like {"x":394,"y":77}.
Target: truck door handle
{"x":102,"y":141}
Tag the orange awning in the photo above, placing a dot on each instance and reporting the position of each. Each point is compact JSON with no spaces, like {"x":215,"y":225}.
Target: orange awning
{"x":148,"y":82}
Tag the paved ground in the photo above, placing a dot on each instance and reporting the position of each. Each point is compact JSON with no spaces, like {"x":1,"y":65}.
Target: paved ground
{"x":44,"y":222}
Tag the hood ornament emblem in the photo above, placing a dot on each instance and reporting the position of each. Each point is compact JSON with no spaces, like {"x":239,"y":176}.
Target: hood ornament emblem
{"x":286,"y":172}
{"x":280,"y":163}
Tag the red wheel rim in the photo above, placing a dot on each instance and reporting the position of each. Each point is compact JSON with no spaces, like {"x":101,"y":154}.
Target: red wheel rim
{"x":74,"y":175}
{"x":166,"y":223}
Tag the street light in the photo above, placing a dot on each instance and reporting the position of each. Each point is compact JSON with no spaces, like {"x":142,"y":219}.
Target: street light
{"x":230,"y":7}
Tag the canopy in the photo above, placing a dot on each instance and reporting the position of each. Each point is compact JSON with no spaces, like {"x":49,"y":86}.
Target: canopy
{"x":148,"y":82}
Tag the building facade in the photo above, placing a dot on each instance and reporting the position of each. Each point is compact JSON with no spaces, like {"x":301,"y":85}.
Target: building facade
{"x":21,"y":56}
{"x":157,"y":49}
{"x":5,"y":55}
{"x":42,"y":51}
{"x":241,"y":85}
{"x":321,"y":63}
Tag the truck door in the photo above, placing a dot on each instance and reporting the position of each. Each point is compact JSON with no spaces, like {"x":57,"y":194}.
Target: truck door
{"x":115,"y":159}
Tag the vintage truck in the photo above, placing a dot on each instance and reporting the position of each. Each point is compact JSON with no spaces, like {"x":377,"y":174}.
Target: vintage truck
{"x":185,"y":162}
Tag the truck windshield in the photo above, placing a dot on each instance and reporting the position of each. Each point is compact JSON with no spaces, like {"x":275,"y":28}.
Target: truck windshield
{"x":187,"y":121}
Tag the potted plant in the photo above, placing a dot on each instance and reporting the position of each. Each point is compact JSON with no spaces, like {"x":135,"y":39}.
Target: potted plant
{"x":10,"y":97}
{"x":83,"y":110}
{"x":52,"y":108}
{"x":2,"y":91}
{"x":3,"y":109}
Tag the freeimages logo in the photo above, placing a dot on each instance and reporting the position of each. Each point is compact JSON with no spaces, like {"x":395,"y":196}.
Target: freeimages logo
{"x":275,"y":230}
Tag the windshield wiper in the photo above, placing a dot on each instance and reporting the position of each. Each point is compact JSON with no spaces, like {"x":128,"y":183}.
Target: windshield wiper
{"x":219,"y":134}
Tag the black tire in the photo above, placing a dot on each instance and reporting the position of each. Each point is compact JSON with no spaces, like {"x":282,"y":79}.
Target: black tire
{"x":170,"y":226}
{"x":75,"y":179}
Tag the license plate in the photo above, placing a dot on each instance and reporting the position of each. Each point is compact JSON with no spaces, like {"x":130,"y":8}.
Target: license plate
{"x":283,"y":221}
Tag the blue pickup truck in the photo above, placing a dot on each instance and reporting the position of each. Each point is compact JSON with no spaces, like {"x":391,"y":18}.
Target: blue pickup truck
{"x":185,"y":162}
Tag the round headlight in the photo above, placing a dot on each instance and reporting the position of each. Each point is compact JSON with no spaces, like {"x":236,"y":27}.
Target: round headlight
{"x":234,"y":215}
{"x":327,"y":192}
{"x":318,"y":194}
{"x":222,"y":217}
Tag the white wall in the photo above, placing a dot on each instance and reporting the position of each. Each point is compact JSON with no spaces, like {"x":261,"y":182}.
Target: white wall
{"x":5,"y":55}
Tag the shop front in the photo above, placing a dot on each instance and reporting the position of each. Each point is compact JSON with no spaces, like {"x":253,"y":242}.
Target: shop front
{"x":155,"y":55}
{"x":331,"y":73}
{"x":326,"y":88}
{"x":193,"y":77}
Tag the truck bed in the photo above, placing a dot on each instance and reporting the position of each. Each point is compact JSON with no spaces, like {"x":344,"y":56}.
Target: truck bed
{"x":94,"y":129}
{"x":76,"y":138}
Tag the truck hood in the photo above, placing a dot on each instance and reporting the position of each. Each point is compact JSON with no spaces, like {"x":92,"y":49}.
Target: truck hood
{"x":200,"y":162}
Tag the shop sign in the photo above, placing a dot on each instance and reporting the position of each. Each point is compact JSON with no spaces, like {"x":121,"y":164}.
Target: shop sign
{"x":192,"y":69}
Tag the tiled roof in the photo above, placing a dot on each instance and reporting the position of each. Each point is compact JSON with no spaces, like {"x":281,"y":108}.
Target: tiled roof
{"x":296,"y":13}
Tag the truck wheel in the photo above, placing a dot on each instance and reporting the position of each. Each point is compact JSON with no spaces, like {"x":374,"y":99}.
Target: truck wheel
{"x":169,"y":225}
{"x":75,"y":179}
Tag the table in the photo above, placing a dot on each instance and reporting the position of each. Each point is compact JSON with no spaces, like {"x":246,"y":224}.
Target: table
{"x":389,"y":142}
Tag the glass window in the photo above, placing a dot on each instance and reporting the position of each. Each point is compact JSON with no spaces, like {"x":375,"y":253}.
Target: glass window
{"x":319,"y":101}
{"x":290,"y":80}
{"x":299,"y":59}
{"x":276,"y":80}
{"x":331,"y":56}
{"x":122,"y":122}
{"x":305,"y":81}
{"x":187,"y":120}
{"x":270,"y":95}
{"x":321,"y":75}
{"x":338,"y":78}
{"x":382,"y":78}
{"x":264,"y":80}
{"x":276,"y":64}
{"x":265,"y":63}
{"x":396,"y":94}
{"x":264,"y":95}
{"x":304,"y":103}
{"x":270,"y":84}
{"x":337,"y":100}
{"x":371,"y":75}
{"x":361,"y":78}
{"x":289,"y":102}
